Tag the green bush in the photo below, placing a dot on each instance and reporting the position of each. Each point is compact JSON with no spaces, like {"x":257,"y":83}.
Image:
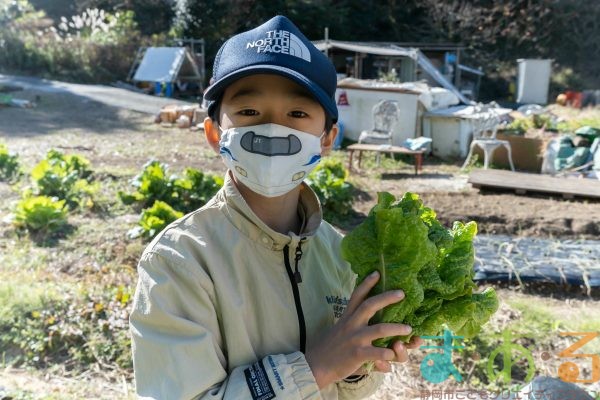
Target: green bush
{"x":9,"y":165}
{"x":66,"y":177}
{"x":40,"y":214}
{"x":154,"y":220}
{"x":328,"y":180}
{"x":95,"y":46}
{"x":184,"y":194}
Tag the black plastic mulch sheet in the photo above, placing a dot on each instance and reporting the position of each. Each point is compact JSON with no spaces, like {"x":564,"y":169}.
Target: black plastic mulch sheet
{"x":514,"y":259}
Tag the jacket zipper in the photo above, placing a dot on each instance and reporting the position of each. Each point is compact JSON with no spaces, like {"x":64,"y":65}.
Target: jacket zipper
{"x":295,"y":279}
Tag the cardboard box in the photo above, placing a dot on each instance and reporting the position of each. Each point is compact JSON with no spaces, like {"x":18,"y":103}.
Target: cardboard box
{"x":527,"y":153}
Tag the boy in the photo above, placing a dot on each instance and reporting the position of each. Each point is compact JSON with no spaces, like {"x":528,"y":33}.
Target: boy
{"x":245,"y":297}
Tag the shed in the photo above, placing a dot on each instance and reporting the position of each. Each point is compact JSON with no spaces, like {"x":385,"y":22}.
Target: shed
{"x":356,"y":98}
{"x":166,"y":65}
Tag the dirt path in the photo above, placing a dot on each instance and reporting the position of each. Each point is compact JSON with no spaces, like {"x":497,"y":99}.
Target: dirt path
{"x":107,"y":95}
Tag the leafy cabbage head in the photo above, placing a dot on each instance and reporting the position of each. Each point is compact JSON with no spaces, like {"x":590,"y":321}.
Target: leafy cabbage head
{"x":413,"y":251}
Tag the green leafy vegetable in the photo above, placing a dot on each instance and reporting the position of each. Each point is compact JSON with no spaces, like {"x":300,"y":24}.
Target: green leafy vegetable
{"x":41,"y":214}
{"x":195,"y":189}
{"x":154,"y":220}
{"x":66,"y":177}
{"x":9,"y":165}
{"x":151,"y":184}
{"x":328,"y":180}
{"x":412,"y":251}
{"x":184,"y":194}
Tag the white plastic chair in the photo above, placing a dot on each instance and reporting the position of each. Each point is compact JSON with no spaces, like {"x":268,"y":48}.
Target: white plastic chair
{"x":385,"y":117}
{"x":485,"y":127}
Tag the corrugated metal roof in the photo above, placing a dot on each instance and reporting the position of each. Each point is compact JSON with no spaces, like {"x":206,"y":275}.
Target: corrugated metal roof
{"x":365,"y":47}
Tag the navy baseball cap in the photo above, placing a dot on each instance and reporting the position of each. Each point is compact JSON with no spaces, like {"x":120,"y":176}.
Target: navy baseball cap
{"x":276,"y":47}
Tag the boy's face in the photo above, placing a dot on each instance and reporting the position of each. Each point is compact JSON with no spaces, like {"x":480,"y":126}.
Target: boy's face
{"x":268,"y":98}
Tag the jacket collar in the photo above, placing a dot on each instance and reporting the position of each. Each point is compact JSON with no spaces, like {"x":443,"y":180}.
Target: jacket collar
{"x":246,"y":221}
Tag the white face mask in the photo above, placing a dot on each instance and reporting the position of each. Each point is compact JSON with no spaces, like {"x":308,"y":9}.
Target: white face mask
{"x":270,"y":159}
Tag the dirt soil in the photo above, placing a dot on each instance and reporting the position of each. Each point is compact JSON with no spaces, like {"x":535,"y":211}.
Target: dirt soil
{"x":453,"y":199}
{"x":118,"y":142}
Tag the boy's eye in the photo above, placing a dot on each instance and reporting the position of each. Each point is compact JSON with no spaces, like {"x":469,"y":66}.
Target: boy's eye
{"x":248,"y":112}
{"x":298,"y":114}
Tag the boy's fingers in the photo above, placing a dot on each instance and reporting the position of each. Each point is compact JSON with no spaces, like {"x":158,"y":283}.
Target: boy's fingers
{"x":383,"y":366}
{"x":361,"y":291}
{"x":415,"y":343}
{"x":369,"y":307}
{"x":400,"y":350}
{"x":373,"y":353}
{"x":382,"y":330}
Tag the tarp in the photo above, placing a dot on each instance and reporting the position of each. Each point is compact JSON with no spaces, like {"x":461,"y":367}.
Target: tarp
{"x":466,"y":112}
{"x":162,"y":64}
{"x":526,"y":259}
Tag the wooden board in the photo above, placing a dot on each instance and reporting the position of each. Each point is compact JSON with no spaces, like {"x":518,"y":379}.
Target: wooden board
{"x":383,"y":148}
{"x":522,"y":183}
{"x":360,"y":147}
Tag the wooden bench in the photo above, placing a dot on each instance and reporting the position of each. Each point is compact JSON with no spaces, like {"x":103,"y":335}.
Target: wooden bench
{"x":378,"y":148}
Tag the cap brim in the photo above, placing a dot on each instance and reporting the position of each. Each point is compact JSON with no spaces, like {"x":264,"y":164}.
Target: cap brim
{"x":214,"y":91}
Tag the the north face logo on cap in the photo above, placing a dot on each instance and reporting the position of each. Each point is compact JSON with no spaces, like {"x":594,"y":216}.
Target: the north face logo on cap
{"x":279,"y":41}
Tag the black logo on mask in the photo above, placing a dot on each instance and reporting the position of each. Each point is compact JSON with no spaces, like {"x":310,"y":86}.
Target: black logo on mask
{"x":266,"y":146}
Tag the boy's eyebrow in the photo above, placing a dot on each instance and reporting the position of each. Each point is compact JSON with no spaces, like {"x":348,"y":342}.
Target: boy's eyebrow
{"x":250,"y":91}
{"x":303,"y":93}
{"x":245,"y":92}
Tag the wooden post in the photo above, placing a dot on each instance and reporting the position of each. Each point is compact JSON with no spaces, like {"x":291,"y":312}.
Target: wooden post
{"x":327,"y":41}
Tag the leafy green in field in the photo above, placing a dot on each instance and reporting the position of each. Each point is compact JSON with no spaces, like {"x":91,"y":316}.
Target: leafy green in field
{"x":184,"y":194}
{"x":64,"y":176}
{"x":9,"y":165}
{"x":433,"y":266}
{"x":195,"y":189}
{"x":328,"y":180}
{"x":168,"y":196}
{"x":41,"y":214}
{"x":154,"y":220}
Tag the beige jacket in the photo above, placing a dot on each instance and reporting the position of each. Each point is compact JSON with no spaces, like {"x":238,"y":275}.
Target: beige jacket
{"x":218,"y":314}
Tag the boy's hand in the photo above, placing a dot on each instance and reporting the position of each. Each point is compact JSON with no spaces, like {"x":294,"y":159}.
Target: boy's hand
{"x":401,"y":350}
{"x":347,"y":345}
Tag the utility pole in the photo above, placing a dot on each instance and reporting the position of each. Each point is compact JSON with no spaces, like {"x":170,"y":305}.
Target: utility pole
{"x":327,"y":41}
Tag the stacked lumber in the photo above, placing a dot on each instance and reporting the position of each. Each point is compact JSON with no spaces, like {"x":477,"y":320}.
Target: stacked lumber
{"x":181,"y":116}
